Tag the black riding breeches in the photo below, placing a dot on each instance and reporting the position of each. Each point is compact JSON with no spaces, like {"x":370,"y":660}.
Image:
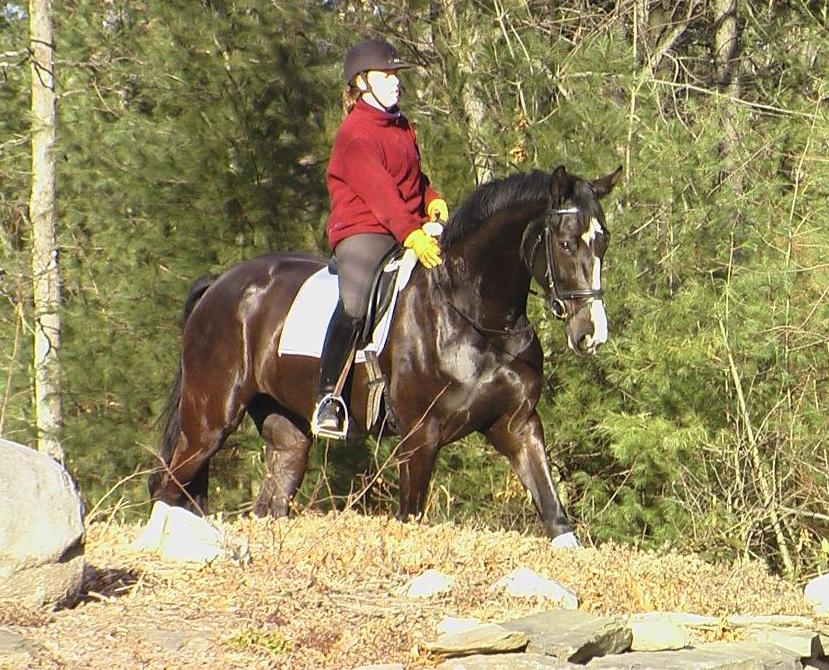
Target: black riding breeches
{"x":358,"y":259}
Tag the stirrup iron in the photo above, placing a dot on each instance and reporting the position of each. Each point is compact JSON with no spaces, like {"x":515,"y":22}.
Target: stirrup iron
{"x":318,"y":430}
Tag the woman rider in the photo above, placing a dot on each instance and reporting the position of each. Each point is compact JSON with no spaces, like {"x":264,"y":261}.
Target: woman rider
{"x":379,"y":197}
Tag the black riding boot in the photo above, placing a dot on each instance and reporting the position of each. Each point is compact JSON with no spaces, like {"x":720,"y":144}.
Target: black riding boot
{"x":330,"y":417}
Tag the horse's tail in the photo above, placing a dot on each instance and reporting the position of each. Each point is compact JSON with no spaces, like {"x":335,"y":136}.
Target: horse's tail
{"x":171,"y":415}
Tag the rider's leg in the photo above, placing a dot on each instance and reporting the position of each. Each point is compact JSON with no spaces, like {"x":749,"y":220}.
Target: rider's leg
{"x":358,"y":257}
{"x":337,"y":353}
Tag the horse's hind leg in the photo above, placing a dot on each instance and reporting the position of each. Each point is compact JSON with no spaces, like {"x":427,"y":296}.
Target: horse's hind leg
{"x":206,"y":421}
{"x":286,"y":456}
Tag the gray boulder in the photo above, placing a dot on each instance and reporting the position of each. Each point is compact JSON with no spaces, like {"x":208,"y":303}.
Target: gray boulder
{"x":41,"y":530}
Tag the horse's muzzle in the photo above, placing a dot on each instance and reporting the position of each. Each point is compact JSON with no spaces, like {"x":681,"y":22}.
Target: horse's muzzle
{"x":587,"y":330}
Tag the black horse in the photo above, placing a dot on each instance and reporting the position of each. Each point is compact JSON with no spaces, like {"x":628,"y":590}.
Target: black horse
{"x":461,"y":355}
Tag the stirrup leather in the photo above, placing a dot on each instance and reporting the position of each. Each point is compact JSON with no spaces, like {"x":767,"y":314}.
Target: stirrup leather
{"x":318,"y":430}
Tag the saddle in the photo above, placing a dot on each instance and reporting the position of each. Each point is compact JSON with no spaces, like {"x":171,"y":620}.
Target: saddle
{"x":307,"y":320}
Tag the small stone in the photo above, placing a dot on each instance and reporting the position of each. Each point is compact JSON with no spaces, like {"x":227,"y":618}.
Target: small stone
{"x":426,"y":585}
{"x":179,"y":535}
{"x":817,"y":593}
{"x":525,"y":583}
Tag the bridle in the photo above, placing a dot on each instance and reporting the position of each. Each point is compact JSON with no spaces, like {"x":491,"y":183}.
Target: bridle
{"x":554,"y":295}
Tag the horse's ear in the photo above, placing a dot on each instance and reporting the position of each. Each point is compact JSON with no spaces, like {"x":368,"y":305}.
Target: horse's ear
{"x":558,"y":184}
{"x":604,"y":185}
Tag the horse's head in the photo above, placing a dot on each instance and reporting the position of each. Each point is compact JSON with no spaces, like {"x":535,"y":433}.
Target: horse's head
{"x":564,"y":253}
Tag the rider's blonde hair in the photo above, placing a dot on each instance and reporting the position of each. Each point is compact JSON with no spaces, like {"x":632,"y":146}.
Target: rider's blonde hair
{"x":351,"y":94}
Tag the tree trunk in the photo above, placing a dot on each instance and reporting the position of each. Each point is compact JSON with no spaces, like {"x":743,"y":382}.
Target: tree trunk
{"x":463,"y":36}
{"x":726,"y":52}
{"x":726,"y":62}
{"x":45,"y":272}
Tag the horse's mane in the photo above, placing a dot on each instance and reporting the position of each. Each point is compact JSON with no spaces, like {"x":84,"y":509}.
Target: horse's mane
{"x":493,"y":197}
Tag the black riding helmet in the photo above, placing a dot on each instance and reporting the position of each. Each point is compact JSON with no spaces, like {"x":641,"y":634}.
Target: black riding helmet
{"x":371,"y":55}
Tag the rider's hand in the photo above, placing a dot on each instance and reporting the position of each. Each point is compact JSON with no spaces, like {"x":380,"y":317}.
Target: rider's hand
{"x":437,"y":210}
{"x":425,"y":247}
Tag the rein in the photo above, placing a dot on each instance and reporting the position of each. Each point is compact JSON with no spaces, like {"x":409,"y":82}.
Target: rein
{"x":477,"y":326}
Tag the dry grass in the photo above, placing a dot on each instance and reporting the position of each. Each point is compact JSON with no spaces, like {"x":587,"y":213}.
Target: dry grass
{"x":319,"y":592}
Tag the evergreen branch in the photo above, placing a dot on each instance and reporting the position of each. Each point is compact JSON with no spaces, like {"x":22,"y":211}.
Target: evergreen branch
{"x":670,"y":39}
{"x":759,"y":466}
{"x":805,"y":513}
{"x":18,"y":326}
{"x":758,"y":106}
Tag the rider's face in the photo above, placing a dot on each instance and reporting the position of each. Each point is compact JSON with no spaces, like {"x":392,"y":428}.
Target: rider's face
{"x":384,"y":86}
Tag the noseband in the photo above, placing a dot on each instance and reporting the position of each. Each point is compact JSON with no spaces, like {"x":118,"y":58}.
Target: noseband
{"x":554,"y":295}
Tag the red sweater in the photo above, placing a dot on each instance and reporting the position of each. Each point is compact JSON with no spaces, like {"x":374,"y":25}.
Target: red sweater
{"x":374,"y":178}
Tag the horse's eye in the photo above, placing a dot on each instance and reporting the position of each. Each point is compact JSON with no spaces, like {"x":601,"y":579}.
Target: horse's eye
{"x":568,"y":246}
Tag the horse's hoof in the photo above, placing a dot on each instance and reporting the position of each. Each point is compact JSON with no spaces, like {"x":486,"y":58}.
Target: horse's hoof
{"x":566,"y":541}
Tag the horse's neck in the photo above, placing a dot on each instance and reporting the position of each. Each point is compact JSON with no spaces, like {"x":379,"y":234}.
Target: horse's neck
{"x":488,"y":276}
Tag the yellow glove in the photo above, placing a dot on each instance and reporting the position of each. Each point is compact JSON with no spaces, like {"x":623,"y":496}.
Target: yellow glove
{"x":425,"y":247}
{"x":437,"y":210}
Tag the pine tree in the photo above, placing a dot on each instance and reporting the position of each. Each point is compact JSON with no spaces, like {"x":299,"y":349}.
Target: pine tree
{"x":16,"y":389}
{"x":192,"y":142}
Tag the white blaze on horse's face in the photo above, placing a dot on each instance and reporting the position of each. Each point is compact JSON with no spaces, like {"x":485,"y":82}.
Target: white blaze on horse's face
{"x":598,"y":317}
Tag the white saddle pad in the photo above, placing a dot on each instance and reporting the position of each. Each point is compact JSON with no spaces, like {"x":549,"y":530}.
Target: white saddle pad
{"x":307,"y":320}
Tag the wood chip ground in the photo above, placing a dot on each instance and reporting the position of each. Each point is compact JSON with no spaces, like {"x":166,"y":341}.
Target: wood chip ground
{"x":319,"y":592}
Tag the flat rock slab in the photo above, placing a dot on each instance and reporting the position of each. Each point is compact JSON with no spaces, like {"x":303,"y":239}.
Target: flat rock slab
{"x":195,"y":637}
{"x":769,"y":621}
{"x":803,"y":643}
{"x":506,"y":662}
{"x":681,"y":619}
{"x":713,"y":656}
{"x":14,"y":648}
{"x":571,"y":635}
{"x":484,"y":639}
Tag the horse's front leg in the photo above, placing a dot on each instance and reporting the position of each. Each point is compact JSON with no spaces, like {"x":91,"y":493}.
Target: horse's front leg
{"x":417,"y":452}
{"x":520,"y":438}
